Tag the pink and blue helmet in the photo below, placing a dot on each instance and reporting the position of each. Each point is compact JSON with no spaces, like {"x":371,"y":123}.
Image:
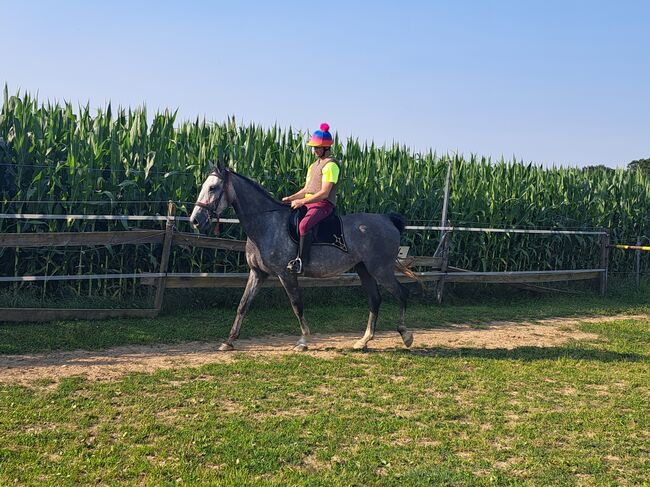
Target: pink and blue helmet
{"x":322,"y":137}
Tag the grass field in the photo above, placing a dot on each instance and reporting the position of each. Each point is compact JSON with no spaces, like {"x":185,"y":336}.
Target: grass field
{"x":575,"y":413}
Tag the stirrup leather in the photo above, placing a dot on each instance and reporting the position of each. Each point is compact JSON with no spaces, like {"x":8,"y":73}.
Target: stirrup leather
{"x":295,"y":265}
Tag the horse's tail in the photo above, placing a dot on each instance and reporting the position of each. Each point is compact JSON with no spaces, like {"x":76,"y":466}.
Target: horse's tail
{"x":400,"y":223}
{"x":398,"y":220}
{"x":406,"y":270}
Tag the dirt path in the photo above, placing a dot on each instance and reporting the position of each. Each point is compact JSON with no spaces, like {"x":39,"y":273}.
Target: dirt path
{"x":116,"y":362}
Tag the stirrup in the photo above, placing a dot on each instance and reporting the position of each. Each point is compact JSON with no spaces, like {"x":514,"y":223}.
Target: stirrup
{"x":295,"y":266}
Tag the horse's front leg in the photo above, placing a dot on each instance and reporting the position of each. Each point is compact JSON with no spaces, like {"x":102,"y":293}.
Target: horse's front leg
{"x":290,"y":284}
{"x":255,"y":280}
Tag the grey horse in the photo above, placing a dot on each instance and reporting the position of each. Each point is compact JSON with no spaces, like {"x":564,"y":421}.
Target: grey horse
{"x":372,"y":242}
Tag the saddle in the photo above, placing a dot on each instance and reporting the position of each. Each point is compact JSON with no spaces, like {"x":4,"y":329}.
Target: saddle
{"x":326,"y":232}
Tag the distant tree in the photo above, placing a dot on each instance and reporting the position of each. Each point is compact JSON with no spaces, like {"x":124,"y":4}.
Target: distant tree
{"x":642,"y":164}
{"x":598,"y":168}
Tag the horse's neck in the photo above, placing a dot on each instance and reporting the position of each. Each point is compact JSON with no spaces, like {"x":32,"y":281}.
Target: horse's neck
{"x":255,"y":210}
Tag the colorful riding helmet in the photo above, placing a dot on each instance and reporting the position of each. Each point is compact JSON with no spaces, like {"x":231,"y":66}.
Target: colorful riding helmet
{"x":322,"y":137}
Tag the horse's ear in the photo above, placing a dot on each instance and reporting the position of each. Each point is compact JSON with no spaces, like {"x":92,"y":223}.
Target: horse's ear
{"x":216,"y":167}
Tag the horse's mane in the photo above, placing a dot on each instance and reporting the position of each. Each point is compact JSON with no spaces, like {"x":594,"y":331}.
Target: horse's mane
{"x":258,"y":187}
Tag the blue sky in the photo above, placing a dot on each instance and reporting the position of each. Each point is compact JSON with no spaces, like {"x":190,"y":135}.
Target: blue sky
{"x":554,"y":82}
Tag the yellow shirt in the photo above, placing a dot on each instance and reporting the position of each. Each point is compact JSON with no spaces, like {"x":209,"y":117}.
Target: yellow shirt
{"x":330,"y":174}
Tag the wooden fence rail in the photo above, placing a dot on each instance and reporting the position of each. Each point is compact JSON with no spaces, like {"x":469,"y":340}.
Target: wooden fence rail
{"x":164,"y":280}
{"x":238,"y":279}
{"x":71,"y":239}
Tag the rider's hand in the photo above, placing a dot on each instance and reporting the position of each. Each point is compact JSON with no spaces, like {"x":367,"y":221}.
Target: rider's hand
{"x":286,"y":198}
{"x":297,"y":203}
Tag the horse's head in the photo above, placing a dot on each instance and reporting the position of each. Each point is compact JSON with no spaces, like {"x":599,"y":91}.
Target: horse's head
{"x":214,"y":198}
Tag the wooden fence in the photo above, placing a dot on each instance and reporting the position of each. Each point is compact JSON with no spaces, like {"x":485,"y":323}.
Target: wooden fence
{"x":439,"y":271}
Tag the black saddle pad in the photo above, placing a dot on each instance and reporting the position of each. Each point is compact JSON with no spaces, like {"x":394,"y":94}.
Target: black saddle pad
{"x":327,"y":232}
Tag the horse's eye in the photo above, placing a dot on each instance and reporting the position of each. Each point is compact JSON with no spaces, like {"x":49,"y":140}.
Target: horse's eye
{"x":212,"y":188}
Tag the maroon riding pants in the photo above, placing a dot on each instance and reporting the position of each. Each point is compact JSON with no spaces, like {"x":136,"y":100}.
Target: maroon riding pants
{"x":315,"y":213}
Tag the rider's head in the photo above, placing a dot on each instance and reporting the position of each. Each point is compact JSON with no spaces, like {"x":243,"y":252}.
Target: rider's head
{"x":321,"y":141}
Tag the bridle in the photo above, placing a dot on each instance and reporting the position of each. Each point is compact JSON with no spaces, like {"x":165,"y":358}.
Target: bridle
{"x":212,"y":208}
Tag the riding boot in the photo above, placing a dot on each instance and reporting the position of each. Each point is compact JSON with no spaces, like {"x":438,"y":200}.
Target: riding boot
{"x":297,"y":265}
{"x":304,"y":248}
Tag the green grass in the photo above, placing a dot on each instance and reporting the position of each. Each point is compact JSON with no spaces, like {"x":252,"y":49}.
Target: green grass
{"x":557,"y":416}
{"x":561,"y":415}
{"x":336,"y":311}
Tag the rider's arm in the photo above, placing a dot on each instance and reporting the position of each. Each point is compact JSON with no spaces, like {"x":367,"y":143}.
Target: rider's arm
{"x":295,"y":196}
{"x":300,"y":194}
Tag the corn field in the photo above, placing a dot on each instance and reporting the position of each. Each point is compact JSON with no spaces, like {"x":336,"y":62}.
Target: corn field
{"x":56,"y":159}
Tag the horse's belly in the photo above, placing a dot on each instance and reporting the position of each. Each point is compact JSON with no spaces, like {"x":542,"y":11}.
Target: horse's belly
{"x":318,"y":274}
{"x":328,"y":262}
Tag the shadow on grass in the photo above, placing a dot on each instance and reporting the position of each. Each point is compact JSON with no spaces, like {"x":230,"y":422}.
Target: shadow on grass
{"x":529,"y":354}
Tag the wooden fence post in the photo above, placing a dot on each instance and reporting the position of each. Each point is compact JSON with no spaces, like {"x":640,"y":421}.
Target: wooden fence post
{"x":604,"y":262}
{"x":164,"y":259}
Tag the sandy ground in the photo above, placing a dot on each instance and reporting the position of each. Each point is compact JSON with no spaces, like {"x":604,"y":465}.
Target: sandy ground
{"x":116,"y":362}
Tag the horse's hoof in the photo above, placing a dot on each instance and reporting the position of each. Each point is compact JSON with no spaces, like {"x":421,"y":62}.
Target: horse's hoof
{"x":360,"y":345}
{"x":226,"y":347}
{"x":407,"y":338}
{"x":301,"y":347}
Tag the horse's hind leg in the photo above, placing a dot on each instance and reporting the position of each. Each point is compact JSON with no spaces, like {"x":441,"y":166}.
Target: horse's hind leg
{"x":386,"y":278}
{"x":255,"y":280}
{"x":374,"y":300}
{"x":290,"y":285}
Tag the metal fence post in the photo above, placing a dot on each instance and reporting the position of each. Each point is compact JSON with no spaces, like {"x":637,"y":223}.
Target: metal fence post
{"x":164,"y":259}
{"x":445,"y":235}
{"x":444,"y":264}
{"x":445,"y":200}
{"x":638,"y":262}
{"x":604,"y":261}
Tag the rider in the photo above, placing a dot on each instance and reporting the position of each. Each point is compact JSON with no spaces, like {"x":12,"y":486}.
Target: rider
{"x":318,"y":194}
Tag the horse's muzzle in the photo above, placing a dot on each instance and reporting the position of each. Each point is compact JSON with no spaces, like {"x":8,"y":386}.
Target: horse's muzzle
{"x":200,"y":219}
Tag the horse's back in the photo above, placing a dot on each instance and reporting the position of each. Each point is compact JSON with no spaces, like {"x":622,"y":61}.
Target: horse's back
{"x":373,"y":219}
{"x":371,"y":225}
